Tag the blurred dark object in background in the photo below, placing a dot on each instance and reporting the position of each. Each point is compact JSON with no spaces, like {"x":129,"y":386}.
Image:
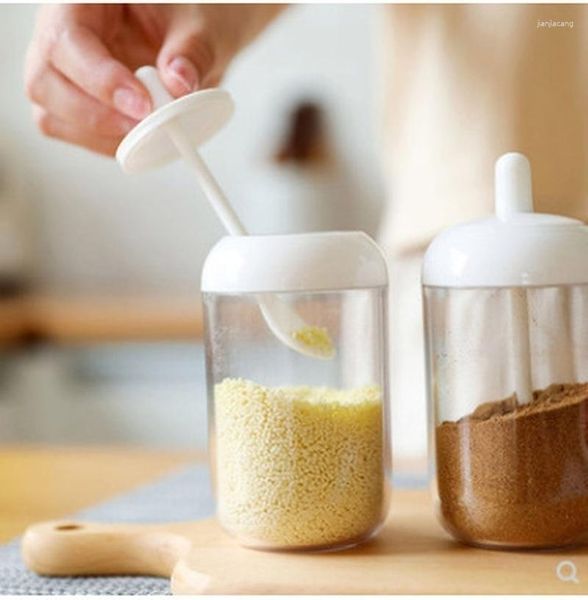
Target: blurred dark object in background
{"x":306,"y":140}
{"x":12,"y":286}
{"x":305,"y":186}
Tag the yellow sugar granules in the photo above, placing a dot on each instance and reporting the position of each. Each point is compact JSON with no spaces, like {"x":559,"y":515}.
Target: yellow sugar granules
{"x":298,"y":466}
{"x":316,"y":338}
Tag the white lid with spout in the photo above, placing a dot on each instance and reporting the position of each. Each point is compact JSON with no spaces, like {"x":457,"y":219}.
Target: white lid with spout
{"x":333,"y":260}
{"x":515,"y":248}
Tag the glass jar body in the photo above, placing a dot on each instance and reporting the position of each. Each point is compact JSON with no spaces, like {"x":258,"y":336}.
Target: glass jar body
{"x":508,"y":399}
{"x":299,"y":446}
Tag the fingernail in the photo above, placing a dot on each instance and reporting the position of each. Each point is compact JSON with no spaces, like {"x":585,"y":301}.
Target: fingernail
{"x":131,"y":103}
{"x":184,"y":72}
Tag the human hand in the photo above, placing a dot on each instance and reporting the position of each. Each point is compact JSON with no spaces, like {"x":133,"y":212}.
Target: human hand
{"x":81,"y":59}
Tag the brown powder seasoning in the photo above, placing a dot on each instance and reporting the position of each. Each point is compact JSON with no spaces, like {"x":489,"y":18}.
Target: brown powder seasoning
{"x":515,"y":475}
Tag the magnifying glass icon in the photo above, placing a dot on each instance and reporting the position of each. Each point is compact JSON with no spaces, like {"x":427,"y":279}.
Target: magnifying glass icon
{"x":567,"y":571}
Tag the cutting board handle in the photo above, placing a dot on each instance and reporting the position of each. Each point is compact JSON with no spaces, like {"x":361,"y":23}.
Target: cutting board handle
{"x":71,"y":548}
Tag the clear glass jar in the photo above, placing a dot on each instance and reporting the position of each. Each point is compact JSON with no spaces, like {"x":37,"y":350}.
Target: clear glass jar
{"x":507,"y":374}
{"x":298,"y":445}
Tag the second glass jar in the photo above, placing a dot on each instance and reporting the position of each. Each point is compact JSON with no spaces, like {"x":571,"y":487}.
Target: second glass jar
{"x":512,"y":471}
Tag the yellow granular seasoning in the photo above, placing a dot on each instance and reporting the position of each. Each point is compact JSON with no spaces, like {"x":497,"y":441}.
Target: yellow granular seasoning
{"x":314,"y":337}
{"x":298,"y":466}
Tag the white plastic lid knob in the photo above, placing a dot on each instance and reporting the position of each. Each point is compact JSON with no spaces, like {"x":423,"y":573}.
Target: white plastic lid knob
{"x":517,"y":247}
{"x":514,"y":190}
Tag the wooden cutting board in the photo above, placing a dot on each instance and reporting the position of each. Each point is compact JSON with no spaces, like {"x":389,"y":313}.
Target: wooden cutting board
{"x":412,"y":554}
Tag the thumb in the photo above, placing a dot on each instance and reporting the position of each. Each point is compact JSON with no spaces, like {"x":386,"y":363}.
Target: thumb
{"x":185,"y":59}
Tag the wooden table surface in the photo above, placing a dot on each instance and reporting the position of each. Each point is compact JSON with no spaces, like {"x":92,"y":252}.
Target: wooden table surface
{"x":40,"y":483}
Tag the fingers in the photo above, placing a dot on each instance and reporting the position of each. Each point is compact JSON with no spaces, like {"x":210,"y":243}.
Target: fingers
{"x":86,"y":96}
{"x":202,"y":39}
{"x":82,"y":94}
{"x":185,"y":59}
{"x":82,"y":58}
{"x":54,"y":127}
{"x":63,"y":100}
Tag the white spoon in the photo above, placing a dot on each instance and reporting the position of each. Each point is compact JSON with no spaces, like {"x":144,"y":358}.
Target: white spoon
{"x":514,"y":194}
{"x":174,"y":118}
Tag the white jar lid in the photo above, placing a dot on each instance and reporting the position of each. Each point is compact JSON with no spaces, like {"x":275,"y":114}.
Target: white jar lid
{"x":334,"y":260}
{"x":517,"y":247}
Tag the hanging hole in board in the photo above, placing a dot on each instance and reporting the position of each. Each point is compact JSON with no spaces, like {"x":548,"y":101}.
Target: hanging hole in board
{"x":68,"y":527}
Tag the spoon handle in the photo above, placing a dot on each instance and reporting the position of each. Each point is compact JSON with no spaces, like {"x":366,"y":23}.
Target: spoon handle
{"x":212,"y":190}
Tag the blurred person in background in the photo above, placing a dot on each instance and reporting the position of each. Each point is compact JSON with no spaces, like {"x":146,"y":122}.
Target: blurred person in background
{"x":463,"y":84}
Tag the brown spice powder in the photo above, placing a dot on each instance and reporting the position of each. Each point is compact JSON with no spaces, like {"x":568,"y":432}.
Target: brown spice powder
{"x":517,"y":475}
